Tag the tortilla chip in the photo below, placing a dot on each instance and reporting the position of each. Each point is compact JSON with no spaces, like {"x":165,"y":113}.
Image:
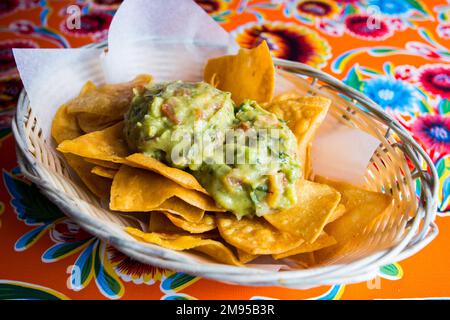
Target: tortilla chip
{"x":179,"y":176}
{"x":218,"y":251}
{"x":245,"y":257}
{"x":135,"y":189}
{"x":304,"y":260}
{"x":179,"y":207}
{"x":161,"y":224}
{"x":64,"y":126}
{"x":286,"y":96}
{"x":97,"y":108}
{"x":303,"y":115}
{"x":307,"y":171}
{"x":104,"y":172}
{"x":255,"y":235}
{"x":108,"y":99}
{"x":362,"y":208}
{"x":323,"y":241}
{"x":337,"y":213}
{"x":214,"y":249}
{"x":104,"y":164}
{"x":92,"y":122}
{"x":306,"y":220}
{"x":99,"y":186}
{"x":248,"y":75}
{"x":206,"y":224}
{"x":106,"y":145}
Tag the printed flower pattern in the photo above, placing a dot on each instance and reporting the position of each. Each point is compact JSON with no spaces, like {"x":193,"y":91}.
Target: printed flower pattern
{"x":433,"y":131}
{"x":435,"y":79}
{"x":105,"y":4}
{"x":419,"y":99}
{"x":390,"y":93}
{"x":367,"y":27}
{"x":7,"y":63}
{"x":95,"y":260}
{"x":217,"y":9}
{"x":317,"y":9}
{"x":286,"y":41}
{"x":443,"y":17}
{"x":8,"y":7}
{"x":392,"y":7}
{"x":93,"y":24}
{"x":131,"y":270}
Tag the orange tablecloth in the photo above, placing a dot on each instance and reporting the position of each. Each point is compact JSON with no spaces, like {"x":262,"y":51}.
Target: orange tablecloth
{"x":394,"y":51}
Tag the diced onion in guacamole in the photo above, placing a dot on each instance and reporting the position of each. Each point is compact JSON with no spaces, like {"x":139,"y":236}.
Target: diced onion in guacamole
{"x":245,"y":157}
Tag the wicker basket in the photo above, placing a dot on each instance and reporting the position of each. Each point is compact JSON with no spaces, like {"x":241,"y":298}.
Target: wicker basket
{"x":398,"y":234}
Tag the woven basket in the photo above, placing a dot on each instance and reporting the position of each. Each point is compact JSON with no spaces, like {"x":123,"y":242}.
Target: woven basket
{"x":398,"y":234}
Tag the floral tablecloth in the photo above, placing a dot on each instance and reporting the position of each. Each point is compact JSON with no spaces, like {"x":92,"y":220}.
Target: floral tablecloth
{"x":395,"y":51}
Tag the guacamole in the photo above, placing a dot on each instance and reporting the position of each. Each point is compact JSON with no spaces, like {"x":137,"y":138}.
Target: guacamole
{"x":261,"y":178}
{"x":166,"y":121}
{"x":245,"y":157}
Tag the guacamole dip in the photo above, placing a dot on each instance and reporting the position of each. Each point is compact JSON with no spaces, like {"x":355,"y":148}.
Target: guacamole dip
{"x":245,"y":157}
{"x":261,"y":177}
{"x":166,"y":120}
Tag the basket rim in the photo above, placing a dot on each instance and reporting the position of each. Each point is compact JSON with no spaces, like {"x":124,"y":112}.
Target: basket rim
{"x":410,"y":244}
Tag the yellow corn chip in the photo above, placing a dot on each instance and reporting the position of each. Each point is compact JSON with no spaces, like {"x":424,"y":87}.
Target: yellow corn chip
{"x":215,"y":249}
{"x":89,"y":122}
{"x":304,"y":260}
{"x":99,"y":186}
{"x":316,"y":203}
{"x":218,"y":251}
{"x":255,"y":235}
{"x":248,"y":75}
{"x":206,"y":224}
{"x":104,"y":172}
{"x":108,"y":99}
{"x":337,"y":213}
{"x":64,"y":126}
{"x":303,"y":116}
{"x":286,"y":96}
{"x":135,"y":189}
{"x":362,"y":207}
{"x":179,"y":207}
{"x":106,"y":145}
{"x":323,"y":241}
{"x":166,"y":240}
{"x":161,"y":224}
{"x":245,"y":257}
{"x":97,"y":108}
{"x":307,"y":171}
{"x":104,"y":164}
{"x":179,"y":176}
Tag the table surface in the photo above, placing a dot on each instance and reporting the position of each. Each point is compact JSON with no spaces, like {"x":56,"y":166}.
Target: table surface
{"x":396,"y":52}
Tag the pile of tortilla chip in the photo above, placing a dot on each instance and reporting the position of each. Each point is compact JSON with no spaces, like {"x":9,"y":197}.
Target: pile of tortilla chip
{"x":182,"y":216}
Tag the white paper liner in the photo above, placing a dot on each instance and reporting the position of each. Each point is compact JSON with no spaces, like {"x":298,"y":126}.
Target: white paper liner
{"x":342,"y":153}
{"x":53,"y":76}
